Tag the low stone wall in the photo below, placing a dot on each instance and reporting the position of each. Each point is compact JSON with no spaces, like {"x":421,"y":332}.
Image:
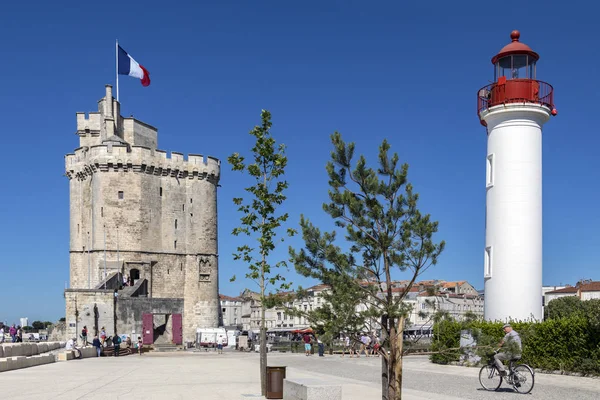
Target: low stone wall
{"x":10,"y":363}
{"x":24,"y":355}
{"x":310,"y":389}
{"x":28,"y":349}
{"x":86,"y":352}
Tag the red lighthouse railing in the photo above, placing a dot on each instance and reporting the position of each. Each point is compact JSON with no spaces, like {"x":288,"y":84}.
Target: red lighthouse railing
{"x":514,"y":91}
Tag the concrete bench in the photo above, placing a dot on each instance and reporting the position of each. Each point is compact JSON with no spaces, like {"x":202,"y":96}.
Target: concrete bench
{"x":310,"y":389}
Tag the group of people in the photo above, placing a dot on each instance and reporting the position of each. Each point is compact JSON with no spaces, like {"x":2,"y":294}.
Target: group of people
{"x":15,"y":332}
{"x":368,"y":344}
{"x":104,"y":340}
{"x":308,"y":339}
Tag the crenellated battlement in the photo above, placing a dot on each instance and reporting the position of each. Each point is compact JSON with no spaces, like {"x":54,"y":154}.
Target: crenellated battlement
{"x":90,"y":124}
{"x":140,"y":159}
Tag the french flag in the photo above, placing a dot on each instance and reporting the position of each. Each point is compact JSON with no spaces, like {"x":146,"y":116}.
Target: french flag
{"x":128,"y":66}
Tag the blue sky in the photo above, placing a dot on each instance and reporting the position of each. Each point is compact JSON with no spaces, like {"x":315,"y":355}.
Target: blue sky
{"x":376,"y":70}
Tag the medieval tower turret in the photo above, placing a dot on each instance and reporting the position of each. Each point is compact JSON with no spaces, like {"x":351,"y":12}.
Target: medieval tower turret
{"x":143,"y":230}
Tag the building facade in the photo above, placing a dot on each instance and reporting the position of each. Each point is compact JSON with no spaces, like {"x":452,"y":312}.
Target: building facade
{"x":143,"y":230}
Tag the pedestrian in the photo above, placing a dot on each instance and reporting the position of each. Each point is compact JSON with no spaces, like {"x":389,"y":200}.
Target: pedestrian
{"x":376,"y":346}
{"x":220,"y":342}
{"x":96,"y":343}
{"x":346,"y":346}
{"x":117,"y":344}
{"x":364,"y":344}
{"x":307,"y":346}
{"x":140,"y":344}
{"x":2,"y":334}
{"x":84,"y":333}
{"x":128,"y":342}
{"x":19,"y":334}
{"x":13,"y":333}
{"x":103,"y":336}
{"x":321,"y":348}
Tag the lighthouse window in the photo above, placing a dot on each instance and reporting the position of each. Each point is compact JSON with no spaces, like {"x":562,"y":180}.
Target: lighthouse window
{"x":488,"y":262}
{"x":489,"y":171}
{"x":160,"y":192}
{"x":121,"y":195}
{"x":175,"y":224}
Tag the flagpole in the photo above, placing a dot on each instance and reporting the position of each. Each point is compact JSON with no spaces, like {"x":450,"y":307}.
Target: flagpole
{"x":117,"y":65}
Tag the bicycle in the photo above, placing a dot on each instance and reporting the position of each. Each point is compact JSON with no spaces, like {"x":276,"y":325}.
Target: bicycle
{"x":521,"y":377}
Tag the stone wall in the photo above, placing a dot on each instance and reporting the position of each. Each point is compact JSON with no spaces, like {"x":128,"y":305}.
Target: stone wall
{"x":130,"y":310}
{"x":91,"y":308}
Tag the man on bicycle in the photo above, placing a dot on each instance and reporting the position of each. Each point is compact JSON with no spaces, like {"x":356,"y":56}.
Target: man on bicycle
{"x":512,"y":341}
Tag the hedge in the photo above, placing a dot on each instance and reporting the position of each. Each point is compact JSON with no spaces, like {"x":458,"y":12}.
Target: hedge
{"x":570,"y":344}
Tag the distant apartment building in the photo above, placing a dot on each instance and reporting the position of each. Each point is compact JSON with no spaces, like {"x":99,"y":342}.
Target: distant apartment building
{"x":457,"y":298}
{"x":231,"y":311}
{"x":584,"y":290}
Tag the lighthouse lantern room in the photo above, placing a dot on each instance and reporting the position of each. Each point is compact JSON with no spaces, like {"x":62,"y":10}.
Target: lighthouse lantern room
{"x":513,"y":109}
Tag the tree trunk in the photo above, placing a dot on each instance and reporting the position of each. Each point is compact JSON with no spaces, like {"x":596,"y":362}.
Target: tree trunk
{"x":263,"y":352}
{"x":384,"y":359}
{"x":398,"y":366}
{"x":263,"y":333}
{"x":393,"y":359}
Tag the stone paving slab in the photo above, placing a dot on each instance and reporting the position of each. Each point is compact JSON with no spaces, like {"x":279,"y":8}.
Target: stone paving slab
{"x":210,"y":376}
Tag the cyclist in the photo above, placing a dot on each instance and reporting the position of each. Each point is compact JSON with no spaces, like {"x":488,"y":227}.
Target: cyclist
{"x":512,"y":343}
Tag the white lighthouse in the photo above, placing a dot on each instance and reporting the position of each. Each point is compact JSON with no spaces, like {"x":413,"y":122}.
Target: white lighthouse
{"x":513,"y":109}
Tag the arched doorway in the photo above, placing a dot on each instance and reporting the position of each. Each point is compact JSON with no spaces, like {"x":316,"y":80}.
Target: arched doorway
{"x":134,"y":275}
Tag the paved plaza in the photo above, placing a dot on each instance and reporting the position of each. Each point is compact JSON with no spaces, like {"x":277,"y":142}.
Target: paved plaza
{"x":210,"y":376}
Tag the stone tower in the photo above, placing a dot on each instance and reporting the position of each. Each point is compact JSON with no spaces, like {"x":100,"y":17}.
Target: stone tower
{"x":137,"y":213}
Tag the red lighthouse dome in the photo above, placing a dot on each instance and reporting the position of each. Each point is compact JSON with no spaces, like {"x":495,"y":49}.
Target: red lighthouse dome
{"x":515,"y":79}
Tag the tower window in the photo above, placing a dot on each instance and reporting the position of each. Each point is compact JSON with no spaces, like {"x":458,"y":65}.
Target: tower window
{"x":488,"y":262}
{"x":175,"y":224}
{"x":175,"y":244}
{"x":102,"y":211}
{"x":183,"y":207}
{"x":78,"y":228}
{"x":191,"y":215}
{"x":489,"y":171}
{"x":160,"y":191}
{"x":191,"y":201}
{"x":121,"y":195}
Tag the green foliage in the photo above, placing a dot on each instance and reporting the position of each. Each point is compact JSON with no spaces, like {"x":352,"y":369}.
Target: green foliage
{"x":376,"y":209}
{"x":570,"y":344}
{"x":260,"y":219}
{"x":563,"y":307}
{"x":37,"y":325}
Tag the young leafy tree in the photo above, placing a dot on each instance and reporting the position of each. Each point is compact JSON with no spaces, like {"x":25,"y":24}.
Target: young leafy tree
{"x":261,"y":220}
{"x":386,"y":234}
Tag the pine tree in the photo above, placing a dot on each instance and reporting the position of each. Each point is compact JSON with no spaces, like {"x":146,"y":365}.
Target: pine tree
{"x":386,"y":233}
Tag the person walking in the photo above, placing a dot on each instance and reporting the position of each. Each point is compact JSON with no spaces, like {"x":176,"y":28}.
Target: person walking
{"x":96,"y":343}
{"x":321,"y":348}
{"x":117,"y":344}
{"x":346,"y":346}
{"x":307,"y":346}
{"x":19,"y":334}
{"x":2,"y":334}
{"x":103,"y":336}
{"x":364,"y":345}
{"x":84,"y":333}
{"x":140,"y":344}
{"x":220,"y":342}
{"x":13,"y":333}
